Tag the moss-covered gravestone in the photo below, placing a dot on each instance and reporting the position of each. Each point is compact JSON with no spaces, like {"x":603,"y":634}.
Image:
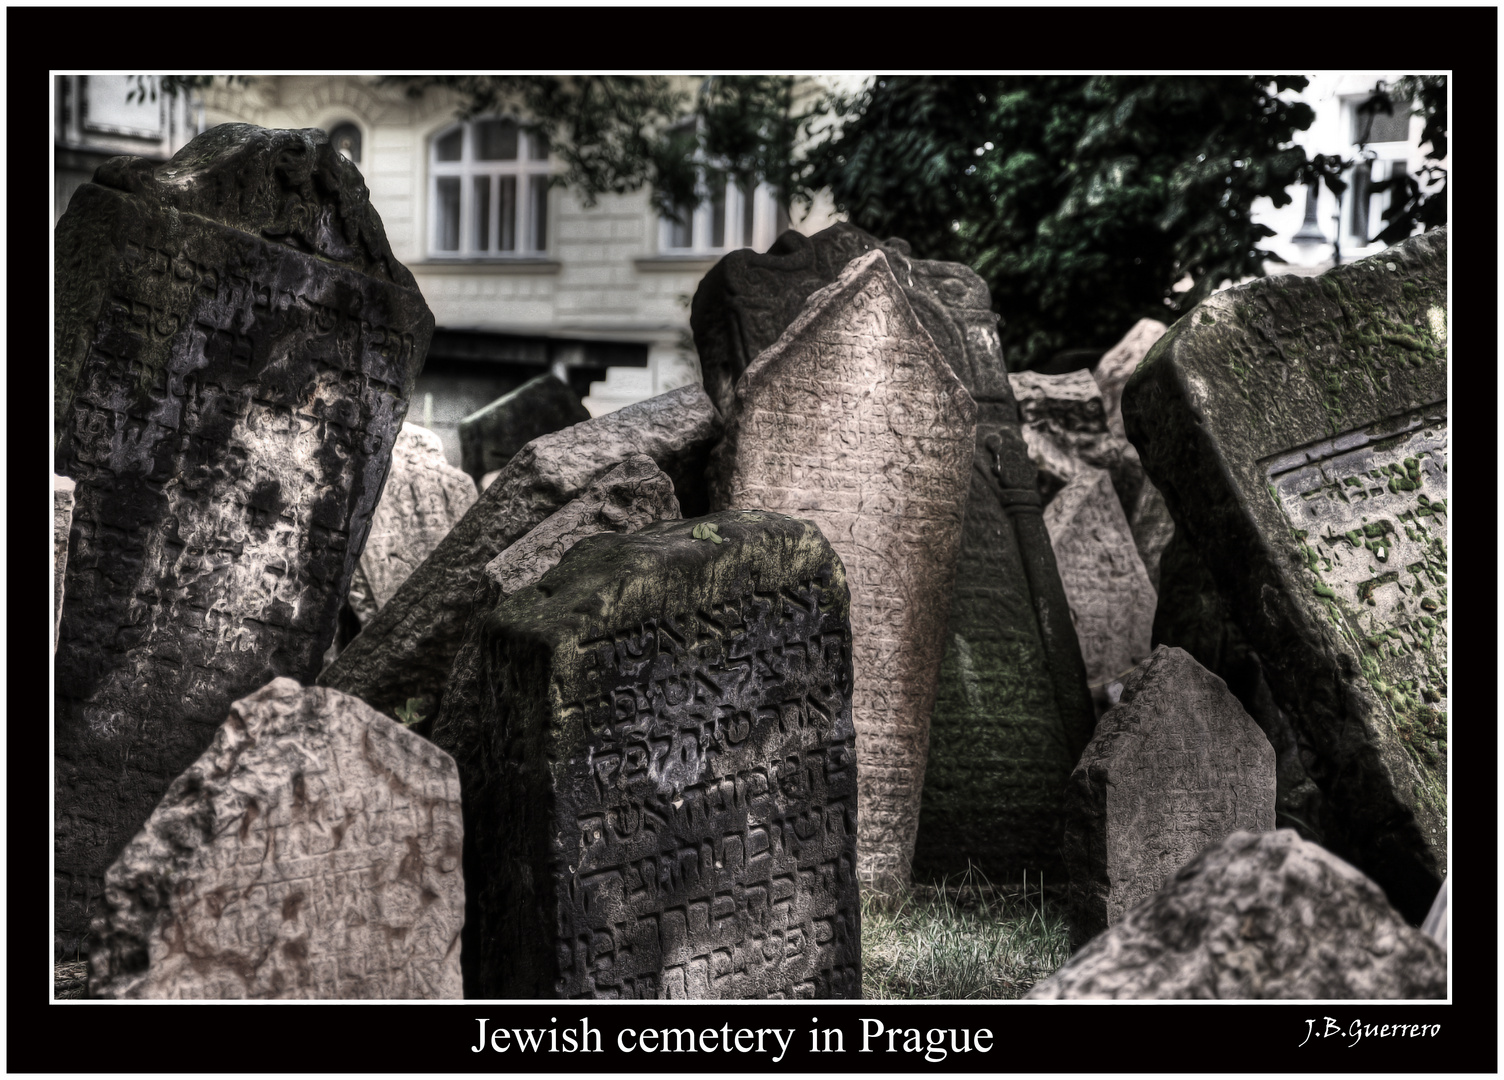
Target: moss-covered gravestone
{"x":235,"y":348}
{"x":490,"y":437}
{"x":1298,"y":430}
{"x":664,"y":802}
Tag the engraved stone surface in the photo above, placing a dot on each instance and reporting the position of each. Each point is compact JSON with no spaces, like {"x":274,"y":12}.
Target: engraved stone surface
{"x":1112,"y":602}
{"x":423,"y":499}
{"x":235,"y":349}
{"x":62,"y":518}
{"x":1011,"y":713}
{"x":313,"y":851}
{"x":1119,"y":363}
{"x":407,"y":650}
{"x":634,"y":494}
{"x":854,"y":420}
{"x":490,"y":436}
{"x":1065,"y":427}
{"x":1175,"y":767}
{"x":1259,"y":916}
{"x":1297,"y":429}
{"x":663,"y":802}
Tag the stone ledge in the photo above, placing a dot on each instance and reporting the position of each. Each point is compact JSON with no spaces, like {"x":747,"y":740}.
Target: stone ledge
{"x":486,"y":266}
{"x":673,"y":263}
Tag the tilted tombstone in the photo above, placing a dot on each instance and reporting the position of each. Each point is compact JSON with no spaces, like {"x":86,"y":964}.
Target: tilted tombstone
{"x":1118,"y":365}
{"x":313,"y":851}
{"x":62,"y":518}
{"x":423,"y":499}
{"x":1259,"y":916}
{"x":405,"y":653}
{"x":1064,"y":423}
{"x":1175,"y":767}
{"x":235,"y":348}
{"x":854,"y":420}
{"x":1297,"y":428}
{"x":695,"y":833}
{"x":1112,"y":601}
{"x":490,"y":436}
{"x":1011,"y":712}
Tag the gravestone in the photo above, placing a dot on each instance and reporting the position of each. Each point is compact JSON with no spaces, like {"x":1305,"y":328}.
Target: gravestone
{"x":632,"y":495}
{"x":1011,"y":712}
{"x":313,"y":851}
{"x":405,"y":653}
{"x":1175,"y":767}
{"x":854,"y":420}
{"x":423,"y":499}
{"x":1259,"y":916}
{"x":490,"y":436}
{"x":1297,"y":429}
{"x":1118,"y":364}
{"x":62,"y":518}
{"x":1065,"y":428}
{"x":1112,"y":601}
{"x":235,"y":348}
{"x":695,"y":834}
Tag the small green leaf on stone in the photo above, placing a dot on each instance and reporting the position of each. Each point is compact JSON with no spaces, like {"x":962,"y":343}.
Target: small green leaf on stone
{"x":409,"y":714}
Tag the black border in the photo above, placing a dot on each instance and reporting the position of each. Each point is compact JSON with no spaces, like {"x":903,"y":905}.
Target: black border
{"x":1127,"y":1037}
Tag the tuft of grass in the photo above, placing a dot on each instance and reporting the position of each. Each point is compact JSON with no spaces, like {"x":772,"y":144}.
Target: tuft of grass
{"x":960,"y":942}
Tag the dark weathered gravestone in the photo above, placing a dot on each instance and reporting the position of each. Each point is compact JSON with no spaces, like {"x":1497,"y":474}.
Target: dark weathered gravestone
{"x":405,"y":653}
{"x":693,"y":833}
{"x":1011,"y":711}
{"x":854,"y":420}
{"x":62,"y":519}
{"x":1175,"y":767}
{"x":313,"y":851}
{"x":1258,"y":916}
{"x":1297,"y":428}
{"x":490,"y":436}
{"x":235,"y":347}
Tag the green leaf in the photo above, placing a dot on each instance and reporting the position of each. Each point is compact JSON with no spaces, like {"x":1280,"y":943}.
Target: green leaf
{"x":409,"y":714}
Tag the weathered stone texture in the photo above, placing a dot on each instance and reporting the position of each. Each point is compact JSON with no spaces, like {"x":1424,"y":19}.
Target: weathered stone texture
{"x":407,"y":650}
{"x":633,"y":495}
{"x":1118,"y":364}
{"x":854,"y":420}
{"x":1065,"y":428}
{"x":313,"y":851}
{"x":235,"y":348}
{"x":1112,"y":601}
{"x":1297,"y":429}
{"x":423,"y":499}
{"x":1174,"y":768}
{"x":491,"y":436}
{"x":1259,"y":916}
{"x":62,"y":518}
{"x":693,"y":833}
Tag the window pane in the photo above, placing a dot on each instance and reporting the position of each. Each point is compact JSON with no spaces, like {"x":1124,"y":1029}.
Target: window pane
{"x":538,"y":186}
{"x":1381,"y":128}
{"x":482,"y":241}
{"x":507,"y":217}
{"x":748,"y":203}
{"x":537,"y":146}
{"x":346,"y":140}
{"x":448,"y":147}
{"x":717,"y":210}
{"x":681,"y":231}
{"x":496,"y":140}
{"x":1362,"y":177}
{"x":781,"y":223}
{"x":448,"y":211}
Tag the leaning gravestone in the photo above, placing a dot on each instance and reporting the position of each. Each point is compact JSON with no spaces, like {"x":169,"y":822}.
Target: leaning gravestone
{"x":1257,"y":917}
{"x":62,"y":519}
{"x":424,"y":498}
{"x":235,"y":347}
{"x":1298,"y":430}
{"x":405,"y":653}
{"x":1011,"y":712}
{"x":854,"y":420}
{"x":490,"y":436}
{"x":1064,"y":422}
{"x":313,"y":851}
{"x":1112,"y":601}
{"x":695,"y":833}
{"x":1175,"y":767}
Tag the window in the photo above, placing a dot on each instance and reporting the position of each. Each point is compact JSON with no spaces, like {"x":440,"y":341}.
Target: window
{"x":726,"y":217}
{"x":345,"y":138}
{"x":489,"y":191}
{"x":1381,"y":145}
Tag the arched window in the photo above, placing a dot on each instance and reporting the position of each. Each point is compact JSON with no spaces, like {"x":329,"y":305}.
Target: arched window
{"x":488,"y":191}
{"x":345,"y":138}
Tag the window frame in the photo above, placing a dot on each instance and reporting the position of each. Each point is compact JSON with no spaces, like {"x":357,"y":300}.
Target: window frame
{"x":764,"y":221}
{"x":1381,"y":159}
{"x":524,"y":168}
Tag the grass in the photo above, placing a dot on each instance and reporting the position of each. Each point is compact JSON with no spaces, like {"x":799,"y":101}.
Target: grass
{"x":967,"y":941}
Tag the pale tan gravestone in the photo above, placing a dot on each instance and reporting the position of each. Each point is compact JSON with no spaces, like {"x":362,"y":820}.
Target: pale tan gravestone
{"x":423,"y":499}
{"x":1175,"y":767}
{"x":1118,"y":363}
{"x":62,"y":518}
{"x":853,"y":420}
{"x":312,"y":852}
{"x":1111,"y":599}
{"x":1065,"y":429}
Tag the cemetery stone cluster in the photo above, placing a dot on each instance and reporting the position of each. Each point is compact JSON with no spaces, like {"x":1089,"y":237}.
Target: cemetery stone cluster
{"x":336,"y":720}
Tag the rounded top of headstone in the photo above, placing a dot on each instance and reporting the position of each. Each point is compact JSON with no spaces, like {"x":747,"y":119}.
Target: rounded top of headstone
{"x":288,"y":187}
